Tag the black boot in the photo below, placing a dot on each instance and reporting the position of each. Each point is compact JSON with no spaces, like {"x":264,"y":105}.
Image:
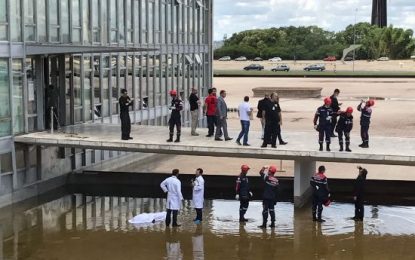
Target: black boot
{"x":328,"y":147}
{"x":321,"y":147}
{"x":177,"y":138}
{"x":242,"y":216}
{"x":365,"y":144}
{"x":319,"y":219}
{"x":264,"y":219}
{"x":272,"y":213}
{"x":341,"y":147}
{"x":170,"y":138}
{"x":348,"y":147}
{"x":314,"y":215}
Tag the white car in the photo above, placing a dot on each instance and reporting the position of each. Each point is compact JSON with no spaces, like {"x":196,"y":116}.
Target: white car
{"x":413,"y":57}
{"x":242,"y":58}
{"x":275,"y":59}
{"x":383,"y":59}
{"x":225,"y":58}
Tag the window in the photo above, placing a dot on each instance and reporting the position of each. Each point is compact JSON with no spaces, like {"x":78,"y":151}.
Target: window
{"x":41,"y":20}
{"x":96,"y":21}
{"x":113,"y":21}
{"x":6,"y":163}
{"x":121,"y":21}
{"x":65,"y":21}
{"x":17,"y":93}
{"x":76,"y":20}
{"x":31,"y":94}
{"x":16,"y":21}
{"x":86,"y":24}
{"x":130,"y":13}
{"x":3,"y":21}
{"x":54,"y":20}
{"x":29,"y":15}
{"x":5,"y":115}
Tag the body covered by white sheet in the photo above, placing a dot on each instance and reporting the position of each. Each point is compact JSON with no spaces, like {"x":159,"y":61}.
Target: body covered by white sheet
{"x":148,"y":218}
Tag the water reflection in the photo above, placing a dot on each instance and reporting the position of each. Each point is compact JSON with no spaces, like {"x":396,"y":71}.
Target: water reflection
{"x":89,"y":227}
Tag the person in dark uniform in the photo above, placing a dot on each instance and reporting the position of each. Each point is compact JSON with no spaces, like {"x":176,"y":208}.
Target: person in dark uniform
{"x":344,"y":127}
{"x":272,"y":115}
{"x":321,"y":193}
{"x":335,"y":106}
{"x":269,"y":197}
{"x":175,"y":118}
{"x":261,"y":107}
{"x":243,"y":193}
{"x":324,"y":115}
{"x":365,"y":121}
{"x":358,"y":194}
{"x":281,"y":142}
{"x":125,"y":102}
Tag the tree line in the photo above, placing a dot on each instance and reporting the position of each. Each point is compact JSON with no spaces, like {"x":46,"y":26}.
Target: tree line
{"x":312,"y":42}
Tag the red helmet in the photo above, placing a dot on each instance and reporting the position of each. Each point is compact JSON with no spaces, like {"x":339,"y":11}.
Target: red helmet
{"x":370,"y":102}
{"x":349,"y":110}
{"x":327,"y":101}
{"x":245,"y":168}
{"x":173,"y":92}
{"x":272,"y":169}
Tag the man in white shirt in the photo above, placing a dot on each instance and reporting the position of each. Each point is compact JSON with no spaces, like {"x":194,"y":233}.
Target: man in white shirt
{"x":173,"y":187}
{"x":244,"y":112}
{"x":198,"y":195}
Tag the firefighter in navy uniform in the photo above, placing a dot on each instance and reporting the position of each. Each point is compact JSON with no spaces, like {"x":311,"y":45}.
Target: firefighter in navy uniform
{"x":344,"y":127}
{"x":358,"y":194}
{"x":324,"y":115}
{"x":269,"y":197}
{"x":243,"y":193}
{"x":321,"y":193}
{"x":365,"y":121}
{"x":175,"y":117}
{"x":125,"y":102}
{"x":335,"y":106}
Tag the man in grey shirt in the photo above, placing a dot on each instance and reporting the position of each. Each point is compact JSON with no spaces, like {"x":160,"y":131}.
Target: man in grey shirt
{"x":221,"y":115}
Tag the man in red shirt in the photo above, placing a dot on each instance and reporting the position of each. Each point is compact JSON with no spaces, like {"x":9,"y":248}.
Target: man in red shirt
{"x":211,"y":102}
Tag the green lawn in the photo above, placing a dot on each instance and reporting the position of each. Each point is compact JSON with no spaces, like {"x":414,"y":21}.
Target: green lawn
{"x":299,"y":73}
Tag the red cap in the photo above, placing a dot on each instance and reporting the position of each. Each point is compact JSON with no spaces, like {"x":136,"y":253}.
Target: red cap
{"x":349,"y":110}
{"x":173,"y":92}
{"x":327,"y":101}
{"x":245,"y":168}
{"x":272,"y":169}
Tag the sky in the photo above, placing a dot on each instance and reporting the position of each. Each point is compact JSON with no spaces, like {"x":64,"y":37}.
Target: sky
{"x":231,"y":16}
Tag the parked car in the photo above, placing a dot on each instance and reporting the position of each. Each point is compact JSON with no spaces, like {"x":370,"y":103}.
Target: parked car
{"x":225,"y":58}
{"x":383,"y":59}
{"x":281,"y":68}
{"x":254,"y":67}
{"x":242,"y":58}
{"x":413,"y":57}
{"x":258,"y":59}
{"x":330,"y":58}
{"x":275,"y":59}
{"x":348,"y":58}
{"x":318,"y":67}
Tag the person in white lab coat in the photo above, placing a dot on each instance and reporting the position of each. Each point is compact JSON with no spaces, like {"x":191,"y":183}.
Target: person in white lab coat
{"x":173,"y":187}
{"x":198,"y":194}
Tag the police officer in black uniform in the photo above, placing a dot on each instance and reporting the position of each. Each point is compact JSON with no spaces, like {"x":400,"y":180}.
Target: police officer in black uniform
{"x":175,"y":118}
{"x":324,"y":115}
{"x":272,"y":115}
{"x":269,"y":197}
{"x":344,"y":127}
{"x":358,"y":194}
{"x":335,"y":106}
{"x":321,"y":193}
{"x":261,"y":107}
{"x":125,"y":102}
{"x":365,"y":121}
{"x":243,"y":193}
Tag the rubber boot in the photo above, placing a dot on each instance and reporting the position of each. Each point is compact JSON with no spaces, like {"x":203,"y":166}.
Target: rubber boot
{"x":272,"y":213}
{"x":264,"y":219}
{"x":328,"y":147}
{"x":321,"y":147}
{"x":341,"y":147}
{"x":170,"y":138}
{"x":348,"y":147}
{"x":319,"y":219}
{"x":314,"y":212}
{"x":242,"y":216}
{"x":177,"y":138}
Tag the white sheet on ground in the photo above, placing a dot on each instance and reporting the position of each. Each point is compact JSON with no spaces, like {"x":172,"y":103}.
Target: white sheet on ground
{"x":147,"y":218}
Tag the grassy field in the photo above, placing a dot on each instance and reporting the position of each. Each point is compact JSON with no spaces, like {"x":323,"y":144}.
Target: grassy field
{"x":301,"y":73}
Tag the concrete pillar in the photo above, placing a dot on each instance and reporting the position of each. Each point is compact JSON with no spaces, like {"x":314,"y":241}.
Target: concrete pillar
{"x":303,"y":170}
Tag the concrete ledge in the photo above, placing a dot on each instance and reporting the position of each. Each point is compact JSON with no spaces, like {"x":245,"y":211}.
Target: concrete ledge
{"x":296,"y":92}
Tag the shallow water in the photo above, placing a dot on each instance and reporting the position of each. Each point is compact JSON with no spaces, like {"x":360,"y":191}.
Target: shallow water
{"x":84,"y":227}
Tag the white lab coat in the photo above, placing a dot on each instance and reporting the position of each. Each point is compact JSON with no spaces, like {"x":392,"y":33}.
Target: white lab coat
{"x":198,"y":192}
{"x":173,"y":187}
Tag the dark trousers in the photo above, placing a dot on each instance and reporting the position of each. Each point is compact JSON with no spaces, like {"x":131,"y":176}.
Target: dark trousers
{"x":168,"y":217}
{"x":364,"y":133}
{"x":211,"y":122}
{"x":244,"y":132}
{"x":175,"y":122}
{"x":359,"y":210}
{"x":243,"y":207}
{"x":317,"y":208}
{"x":279,"y":134}
{"x":198,"y":214}
{"x":125,"y":125}
{"x":346,"y":136}
{"x":324,"y":131}
{"x":333,"y":123}
{"x":268,"y":208}
{"x":271,"y":133}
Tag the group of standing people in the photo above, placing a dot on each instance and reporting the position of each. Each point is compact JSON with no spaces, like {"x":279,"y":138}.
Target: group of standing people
{"x":319,"y":184}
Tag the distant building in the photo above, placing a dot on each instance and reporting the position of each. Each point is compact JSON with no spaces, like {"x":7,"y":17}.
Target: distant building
{"x":379,"y":13}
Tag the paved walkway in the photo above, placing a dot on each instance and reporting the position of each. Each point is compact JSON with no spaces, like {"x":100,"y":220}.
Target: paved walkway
{"x":150,"y":139}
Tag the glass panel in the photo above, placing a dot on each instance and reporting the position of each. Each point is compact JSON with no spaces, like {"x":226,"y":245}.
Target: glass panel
{"x":18,"y":102}
{"x":76,"y":18}
{"x":76,"y":35}
{"x":20,"y":164}
{"x":30,"y":33}
{"x":5,"y":114}
{"x":29,"y":12}
{"x":16,"y":21}
{"x":6,"y":163}
{"x":41,"y":20}
{"x":65,"y":21}
{"x":114,"y":83}
{"x":104,"y":22}
{"x":150,"y":22}
{"x":3,"y":32}
{"x":77,"y":81}
{"x":105,"y":85}
{"x":3,"y":13}
{"x":144,"y":24}
{"x":87,"y":89}
{"x":53,"y":12}
{"x":121,"y":21}
{"x":31,"y":89}
{"x":86,"y":15}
